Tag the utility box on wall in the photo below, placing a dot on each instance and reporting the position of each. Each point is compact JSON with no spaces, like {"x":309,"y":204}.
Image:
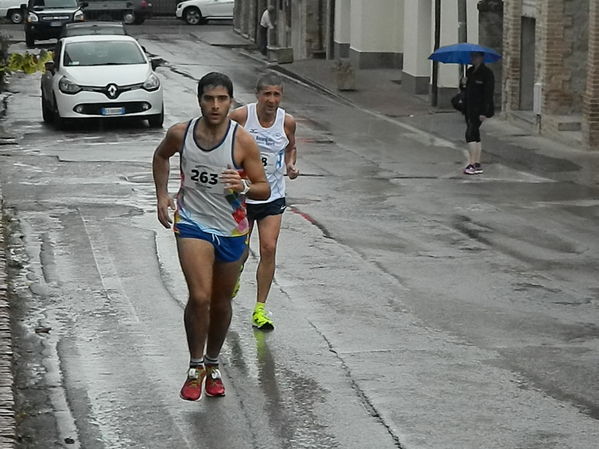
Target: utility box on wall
{"x":537,"y":98}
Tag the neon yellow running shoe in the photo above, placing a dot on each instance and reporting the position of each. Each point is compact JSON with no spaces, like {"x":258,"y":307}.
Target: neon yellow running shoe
{"x":238,"y":283}
{"x":261,"y":320}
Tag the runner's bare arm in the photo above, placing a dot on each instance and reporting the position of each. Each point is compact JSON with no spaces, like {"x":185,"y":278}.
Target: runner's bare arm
{"x":291,"y":149}
{"x":247,"y":156}
{"x":239,"y":115}
{"x":161,"y":167}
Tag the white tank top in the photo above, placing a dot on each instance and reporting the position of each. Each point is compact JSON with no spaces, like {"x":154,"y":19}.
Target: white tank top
{"x":202,"y":197}
{"x":272,"y":143}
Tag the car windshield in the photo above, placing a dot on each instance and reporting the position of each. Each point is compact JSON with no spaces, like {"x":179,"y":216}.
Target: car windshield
{"x":102,"y":53}
{"x":54,"y":4}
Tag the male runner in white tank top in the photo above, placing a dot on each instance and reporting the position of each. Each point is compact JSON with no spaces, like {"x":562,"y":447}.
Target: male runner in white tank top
{"x":210,"y":222}
{"x":274,"y":131}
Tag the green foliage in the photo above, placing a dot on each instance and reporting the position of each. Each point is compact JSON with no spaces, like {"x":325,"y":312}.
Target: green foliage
{"x":27,"y":63}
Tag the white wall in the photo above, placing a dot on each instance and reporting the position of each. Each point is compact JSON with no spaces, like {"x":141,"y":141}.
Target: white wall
{"x":449,"y":73}
{"x":417,"y":37}
{"x":377,"y":26}
{"x":356,"y":24}
{"x":472,"y":19}
{"x":343,"y":21}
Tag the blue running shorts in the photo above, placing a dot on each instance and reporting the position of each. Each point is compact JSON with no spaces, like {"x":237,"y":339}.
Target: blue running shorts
{"x":226,"y":249}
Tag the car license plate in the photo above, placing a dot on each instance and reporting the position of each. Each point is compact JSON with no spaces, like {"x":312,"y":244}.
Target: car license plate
{"x":113,"y":111}
{"x":55,"y":24}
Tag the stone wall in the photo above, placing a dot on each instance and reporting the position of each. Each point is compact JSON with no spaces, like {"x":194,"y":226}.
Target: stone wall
{"x":590,"y":124}
{"x":512,"y":26}
{"x":577,"y":36}
{"x":552,"y":49}
{"x":7,"y":404}
{"x":490,"y":34}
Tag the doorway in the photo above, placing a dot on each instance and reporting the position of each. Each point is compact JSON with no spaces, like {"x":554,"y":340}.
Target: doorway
{"x":527,"y":64}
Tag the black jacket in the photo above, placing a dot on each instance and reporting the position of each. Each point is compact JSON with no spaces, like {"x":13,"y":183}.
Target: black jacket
{"x":480,"y":86}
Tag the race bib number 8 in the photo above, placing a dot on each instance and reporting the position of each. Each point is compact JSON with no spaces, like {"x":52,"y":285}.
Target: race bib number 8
{"x":271,"y":162}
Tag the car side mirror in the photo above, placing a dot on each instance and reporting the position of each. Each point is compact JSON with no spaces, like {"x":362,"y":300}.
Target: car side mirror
{"x":129,"y":4}
{"x":84,"y":5}
{"x":155,"y":63}
{"x":23,"y":6}
{"x":49,"y":66}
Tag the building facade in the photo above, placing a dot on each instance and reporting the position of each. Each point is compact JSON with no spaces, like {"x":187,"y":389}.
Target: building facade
{"x":419,"y":29}
{"x":548,"y":78}
{"x":551,"y":64}
{"x":369,"y":33}
{"x":302,"y":25}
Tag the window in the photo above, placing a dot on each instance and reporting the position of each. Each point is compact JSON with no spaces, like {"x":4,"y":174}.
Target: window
{"x":102,"y":53}
{"x":54,"y":3}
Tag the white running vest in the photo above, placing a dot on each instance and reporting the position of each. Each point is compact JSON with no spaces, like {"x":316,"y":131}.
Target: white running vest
{"x":272,"y":143}
{"x":202,"y":197}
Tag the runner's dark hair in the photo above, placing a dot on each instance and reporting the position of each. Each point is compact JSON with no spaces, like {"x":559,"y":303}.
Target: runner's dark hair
{"x":269,"y":79}
{"x":215,"y":79}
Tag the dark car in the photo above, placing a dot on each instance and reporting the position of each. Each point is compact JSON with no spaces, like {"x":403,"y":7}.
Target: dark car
{"x":44,"y":19}
{"x":142,"y":10}
{"x":126,"y":11}
{"x":92,"y":28}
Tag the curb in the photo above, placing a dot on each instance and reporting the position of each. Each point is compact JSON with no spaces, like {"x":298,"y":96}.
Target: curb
{"x":7,"y":402}
{"x":239,"y":44}
{"x":298,"y":78}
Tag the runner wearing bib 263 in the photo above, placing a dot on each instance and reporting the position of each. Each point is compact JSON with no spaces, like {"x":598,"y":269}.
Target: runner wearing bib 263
{"x":210,"y":223}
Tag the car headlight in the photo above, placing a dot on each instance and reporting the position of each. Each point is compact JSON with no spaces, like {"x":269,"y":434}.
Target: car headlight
{"x":67,"y":86}
{"x":152,"y":83}
{"x":79,"y":17}
{"x":32,"y":18}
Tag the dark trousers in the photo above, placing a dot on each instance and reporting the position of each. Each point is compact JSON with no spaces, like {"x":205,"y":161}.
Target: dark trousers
{"x":473,"y":128}
{"x":262,"y":39}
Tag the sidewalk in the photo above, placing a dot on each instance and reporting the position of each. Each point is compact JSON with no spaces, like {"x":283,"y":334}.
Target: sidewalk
{"x":378,"y":91}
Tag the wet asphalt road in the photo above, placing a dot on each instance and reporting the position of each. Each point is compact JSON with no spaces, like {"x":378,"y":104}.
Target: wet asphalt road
{"x":415,"y":308}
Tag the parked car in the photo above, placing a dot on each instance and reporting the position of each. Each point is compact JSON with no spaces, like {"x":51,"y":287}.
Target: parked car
{"x":127,"y":11}
{"x":101,"y":76}
{"x":92,"y":28}
{"x":11,"y":10}
{"x":195,"y":12}
{"x":142,"y":10}
{"x":44,"y":19}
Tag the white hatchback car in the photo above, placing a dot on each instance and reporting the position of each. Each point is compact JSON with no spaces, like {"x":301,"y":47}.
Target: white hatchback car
{"x":101,"y":76}
{"x":195,"y":12}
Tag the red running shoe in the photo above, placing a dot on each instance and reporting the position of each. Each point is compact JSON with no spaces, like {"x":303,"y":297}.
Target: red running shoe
{"x":192,"y":388}
{"x":214,"y":382}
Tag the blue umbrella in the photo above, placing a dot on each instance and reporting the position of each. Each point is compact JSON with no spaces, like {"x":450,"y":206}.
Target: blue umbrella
{"x":462,"y":53}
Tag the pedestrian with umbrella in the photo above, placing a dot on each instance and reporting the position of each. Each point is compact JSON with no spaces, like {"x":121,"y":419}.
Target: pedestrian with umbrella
{"x":478,"y":93}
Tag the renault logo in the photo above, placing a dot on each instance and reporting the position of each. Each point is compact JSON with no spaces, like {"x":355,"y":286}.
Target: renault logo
{"x":112,"y":90}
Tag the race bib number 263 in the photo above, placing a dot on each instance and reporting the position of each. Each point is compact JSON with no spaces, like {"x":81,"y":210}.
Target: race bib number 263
{"x":204,"y":176}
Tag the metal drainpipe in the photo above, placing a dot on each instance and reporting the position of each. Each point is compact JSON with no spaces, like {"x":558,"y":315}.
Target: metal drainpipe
{"x":462,"y":29}
{"x":435,"y":80}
